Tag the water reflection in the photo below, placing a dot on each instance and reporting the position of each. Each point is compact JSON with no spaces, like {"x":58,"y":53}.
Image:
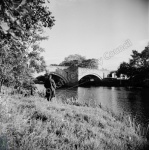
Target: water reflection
{"x":119,"y":99}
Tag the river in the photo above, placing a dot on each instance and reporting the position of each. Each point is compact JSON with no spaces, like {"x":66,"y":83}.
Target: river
{"x":130,"y":101}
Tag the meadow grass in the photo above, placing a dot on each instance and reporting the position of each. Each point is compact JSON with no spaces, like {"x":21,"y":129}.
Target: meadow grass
{"x":32,"y":123}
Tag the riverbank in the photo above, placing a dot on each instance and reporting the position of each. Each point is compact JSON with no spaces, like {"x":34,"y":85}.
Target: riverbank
{"x":33,"y":123}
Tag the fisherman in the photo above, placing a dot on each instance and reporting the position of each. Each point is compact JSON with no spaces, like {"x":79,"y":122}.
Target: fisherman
{"x":50,"y":86}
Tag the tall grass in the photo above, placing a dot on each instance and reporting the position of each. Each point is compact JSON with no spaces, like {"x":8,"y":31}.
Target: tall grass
{"x":140,"y":129}
{"x":32,"y":123}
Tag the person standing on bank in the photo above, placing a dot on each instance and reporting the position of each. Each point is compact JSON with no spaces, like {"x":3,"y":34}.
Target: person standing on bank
{"x":50,"y":86}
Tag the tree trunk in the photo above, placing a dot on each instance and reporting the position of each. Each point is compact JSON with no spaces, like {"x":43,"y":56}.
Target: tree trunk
{"x":1,"y":83}
{"x":31,"y":90}
{"x":0,"y":87}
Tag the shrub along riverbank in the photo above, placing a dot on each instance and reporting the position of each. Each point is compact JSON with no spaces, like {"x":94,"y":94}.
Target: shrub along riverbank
{"x":32,"y":123}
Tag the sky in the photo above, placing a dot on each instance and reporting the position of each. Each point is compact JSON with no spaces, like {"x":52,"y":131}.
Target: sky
{"x":93,"y":28}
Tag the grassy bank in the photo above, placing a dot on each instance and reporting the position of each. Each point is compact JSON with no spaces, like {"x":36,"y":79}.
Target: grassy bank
{"x":32,"y":123}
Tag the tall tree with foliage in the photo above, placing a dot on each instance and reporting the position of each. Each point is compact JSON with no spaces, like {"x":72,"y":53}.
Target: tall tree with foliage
{"x":90,"y":63}
{"x":21,"y":24}
{"x":80,"y":61}
{"x":138,"y":66}
{"x":72,"y":60}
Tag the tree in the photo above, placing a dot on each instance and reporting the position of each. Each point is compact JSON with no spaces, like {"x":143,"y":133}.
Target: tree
{"x":34,"y":60}
{"x":124,"y":69}
{"x":138,"y":66}
{"x":21,"y":24}
{"x":90,"y":63}
{"x":77,"y":57}
{"x":79,"y":61}
{"x":140,"y":60}
{"x":21,"y":18}
{"x":72,"y":60}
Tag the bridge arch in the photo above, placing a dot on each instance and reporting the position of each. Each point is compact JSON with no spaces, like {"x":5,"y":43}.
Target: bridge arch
{"x":92,"y":74}
{"x":60,"y":76}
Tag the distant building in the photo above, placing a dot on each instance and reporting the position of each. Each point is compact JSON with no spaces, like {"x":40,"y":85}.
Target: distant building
{"x":113,"y":75}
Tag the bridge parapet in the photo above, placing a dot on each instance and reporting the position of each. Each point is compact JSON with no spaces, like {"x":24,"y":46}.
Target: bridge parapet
{"x":56,"y":68}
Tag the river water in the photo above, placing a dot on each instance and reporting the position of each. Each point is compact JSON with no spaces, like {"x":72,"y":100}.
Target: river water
{"x":130,"y":101}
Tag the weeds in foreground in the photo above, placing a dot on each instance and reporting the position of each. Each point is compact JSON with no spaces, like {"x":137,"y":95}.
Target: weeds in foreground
{"x":33,"y":123}
{"x":141,"y":130}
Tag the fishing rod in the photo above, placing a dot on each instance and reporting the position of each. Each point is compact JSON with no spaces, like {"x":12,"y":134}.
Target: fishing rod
{"x":76,"y":85}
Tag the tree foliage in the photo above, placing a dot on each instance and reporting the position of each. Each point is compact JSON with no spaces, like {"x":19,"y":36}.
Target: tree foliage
{"x":90,"y":63}
{"x":80,"y":61}
{"x":21,"y":24}
{"x":138,"y":66}
{"x":20,"y":19}
{"x":124,"y":68}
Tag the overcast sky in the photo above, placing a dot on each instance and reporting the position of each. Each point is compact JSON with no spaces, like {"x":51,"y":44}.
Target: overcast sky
{"x":92,"y":28}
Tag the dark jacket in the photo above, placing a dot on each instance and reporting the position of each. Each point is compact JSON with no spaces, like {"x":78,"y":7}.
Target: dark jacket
{"x":50,"y":83}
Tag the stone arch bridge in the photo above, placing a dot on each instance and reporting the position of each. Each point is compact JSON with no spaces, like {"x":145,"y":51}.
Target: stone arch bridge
{"x":70,"y":76}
